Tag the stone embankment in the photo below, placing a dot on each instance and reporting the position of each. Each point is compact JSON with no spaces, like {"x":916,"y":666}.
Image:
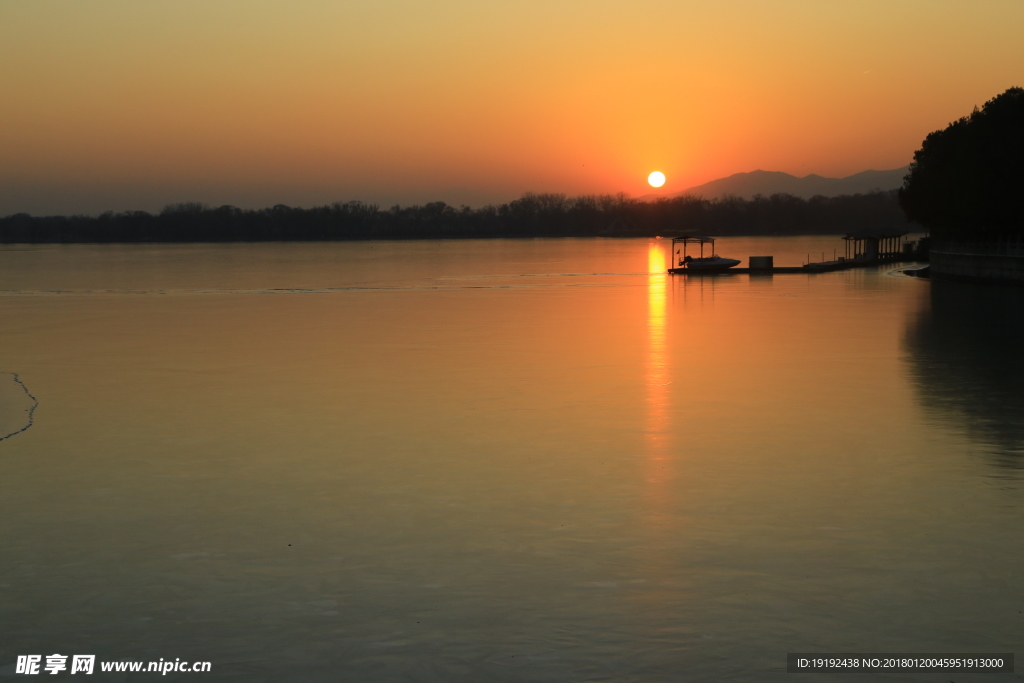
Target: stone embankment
{"x":983,"y":261}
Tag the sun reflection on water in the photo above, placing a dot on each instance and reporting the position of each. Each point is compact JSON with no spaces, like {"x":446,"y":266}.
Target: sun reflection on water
{"x":656,"y":372}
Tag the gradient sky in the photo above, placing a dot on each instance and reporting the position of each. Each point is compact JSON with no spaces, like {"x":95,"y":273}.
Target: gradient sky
{"x":122,"y":104}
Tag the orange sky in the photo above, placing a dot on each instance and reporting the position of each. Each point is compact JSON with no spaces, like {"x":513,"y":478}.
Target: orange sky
{"x":131,"y":105}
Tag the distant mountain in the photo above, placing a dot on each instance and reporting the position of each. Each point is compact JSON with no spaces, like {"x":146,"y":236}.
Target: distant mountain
{"x":767,"y":183}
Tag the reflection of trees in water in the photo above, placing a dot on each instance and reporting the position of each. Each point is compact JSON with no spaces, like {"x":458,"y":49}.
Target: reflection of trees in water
{"x":966,"y":355}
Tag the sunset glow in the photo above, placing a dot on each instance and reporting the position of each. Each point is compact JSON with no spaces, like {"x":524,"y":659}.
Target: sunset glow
{"x":118,"y":105}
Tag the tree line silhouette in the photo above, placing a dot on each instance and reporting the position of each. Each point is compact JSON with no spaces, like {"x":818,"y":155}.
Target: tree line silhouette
{"x":967,"y":180}
{"x":533,"y":215}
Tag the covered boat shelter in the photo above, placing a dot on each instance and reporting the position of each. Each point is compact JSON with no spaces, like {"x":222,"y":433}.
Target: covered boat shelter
{"x":678,"y":255}
{"x":873,"y":245}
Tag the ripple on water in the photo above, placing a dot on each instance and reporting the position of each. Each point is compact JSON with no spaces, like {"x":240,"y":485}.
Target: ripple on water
{"x":17,"y":405}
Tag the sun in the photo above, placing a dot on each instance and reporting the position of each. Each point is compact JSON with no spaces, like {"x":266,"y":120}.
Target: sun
{"x":656,"y":179}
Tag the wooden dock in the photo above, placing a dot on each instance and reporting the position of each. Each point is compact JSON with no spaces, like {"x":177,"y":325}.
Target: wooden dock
{"x":819,"y":267}
{"x":865,"y":249}
{"x":738,"y":271}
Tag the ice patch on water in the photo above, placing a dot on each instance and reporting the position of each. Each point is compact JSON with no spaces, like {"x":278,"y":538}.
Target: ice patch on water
{"x":17,"y":405}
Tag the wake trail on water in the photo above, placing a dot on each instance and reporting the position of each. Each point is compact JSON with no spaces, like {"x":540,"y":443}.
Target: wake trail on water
{"x":473,"y":282}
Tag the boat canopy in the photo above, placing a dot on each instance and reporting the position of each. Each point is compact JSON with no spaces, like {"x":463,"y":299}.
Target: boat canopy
{"x":693,"y":239}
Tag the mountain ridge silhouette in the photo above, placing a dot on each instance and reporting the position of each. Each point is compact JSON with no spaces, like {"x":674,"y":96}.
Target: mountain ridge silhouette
{"x":767,"y":183}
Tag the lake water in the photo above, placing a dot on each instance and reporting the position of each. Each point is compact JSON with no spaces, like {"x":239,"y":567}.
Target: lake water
{"x":536,"y":460}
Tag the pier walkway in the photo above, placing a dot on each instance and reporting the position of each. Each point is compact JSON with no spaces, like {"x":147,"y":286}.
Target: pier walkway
{"x":818,"y":267}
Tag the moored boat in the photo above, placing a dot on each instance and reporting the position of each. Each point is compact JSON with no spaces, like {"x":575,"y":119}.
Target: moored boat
{"x":684,"y":262}
{"x":709,"y":263}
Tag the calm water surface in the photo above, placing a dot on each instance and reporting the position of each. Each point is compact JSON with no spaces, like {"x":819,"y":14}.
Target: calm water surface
{"x":537,"y":460}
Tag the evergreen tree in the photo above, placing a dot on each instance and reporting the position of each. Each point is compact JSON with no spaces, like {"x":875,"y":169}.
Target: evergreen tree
{"x":967,"y":181}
